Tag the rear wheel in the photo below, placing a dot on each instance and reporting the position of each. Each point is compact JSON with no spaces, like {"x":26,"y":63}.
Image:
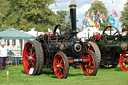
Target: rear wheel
{"x":33,"y":58}
{"x":91,"y":68}
{"x":123,"y":61}
{"x":92,"y":46}
{"x":60,"y":65}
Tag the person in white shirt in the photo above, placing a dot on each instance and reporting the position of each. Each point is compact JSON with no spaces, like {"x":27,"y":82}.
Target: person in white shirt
{"x":3,"y":55}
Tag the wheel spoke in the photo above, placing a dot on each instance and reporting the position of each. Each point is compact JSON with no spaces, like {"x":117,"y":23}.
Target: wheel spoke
{"x":34,"y":64}
{"x":30,"y":50}
{"x":123,"y":61}
{"x":33,"y":54}
{"x":60,"y":66}
{"x":29,"y":65}
{"x":88,"y":47}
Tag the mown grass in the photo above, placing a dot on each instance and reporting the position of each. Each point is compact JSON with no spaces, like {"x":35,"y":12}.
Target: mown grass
{"x":17,"y":76}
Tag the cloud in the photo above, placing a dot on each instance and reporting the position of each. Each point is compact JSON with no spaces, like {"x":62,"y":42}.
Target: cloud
{"x":81,"y":11}
{"x":117,"y":5}
{"x":80,"y":14}
{"x":61,"y":1}
{"x":84,"y":5}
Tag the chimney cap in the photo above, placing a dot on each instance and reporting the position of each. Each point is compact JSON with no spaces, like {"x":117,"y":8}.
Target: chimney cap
{"x":72,"y":6}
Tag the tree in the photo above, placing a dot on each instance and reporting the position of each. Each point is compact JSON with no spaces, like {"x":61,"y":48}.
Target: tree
{"x":64,"y":18}
{"x":26,"y":14}
{"x":124,"y":15}
{"x":95,"y":6}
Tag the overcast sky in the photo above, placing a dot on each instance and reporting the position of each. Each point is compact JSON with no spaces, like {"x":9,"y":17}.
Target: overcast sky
{"x":84,"y":5}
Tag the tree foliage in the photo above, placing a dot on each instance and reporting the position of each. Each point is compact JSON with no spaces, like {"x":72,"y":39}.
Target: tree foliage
{"x":26,"y":14}
{"x":124,"y":15}
{"x":64,"y":18}
{"x":98,"y":5}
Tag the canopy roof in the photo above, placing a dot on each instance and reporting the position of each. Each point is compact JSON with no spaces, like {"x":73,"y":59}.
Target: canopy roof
{"x":15,"y":34}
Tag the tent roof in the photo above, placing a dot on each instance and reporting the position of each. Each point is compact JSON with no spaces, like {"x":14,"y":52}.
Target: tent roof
{"x":15,"y":34}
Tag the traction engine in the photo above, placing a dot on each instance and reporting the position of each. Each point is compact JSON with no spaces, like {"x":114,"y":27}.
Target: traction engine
{"x":110,"y":48}
{"x":59,"y":50}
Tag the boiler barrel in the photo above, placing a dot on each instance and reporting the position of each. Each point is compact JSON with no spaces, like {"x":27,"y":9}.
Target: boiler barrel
{"x":122,"y":46}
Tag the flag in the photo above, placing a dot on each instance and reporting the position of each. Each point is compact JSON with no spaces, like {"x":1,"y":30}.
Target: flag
{"x":88,"y":16}
{"x":104,"y":18}
{"x":101,"y":21}
{"x":101,"y":16}
{"x":86,"y":22}
{"x":114,"y":13}
{"x":84,"y":27}
{"x":91,"y":23}
{"x":98,"y":12}
{"x":93,"y":16}
{"x":96,"y":25}
{"x":112,"y":20}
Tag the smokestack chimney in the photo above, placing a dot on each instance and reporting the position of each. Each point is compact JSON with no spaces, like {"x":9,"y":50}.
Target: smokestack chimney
{"x":73,"y":18}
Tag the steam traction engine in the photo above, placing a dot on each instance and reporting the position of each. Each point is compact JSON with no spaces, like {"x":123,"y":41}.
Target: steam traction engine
{"x":59,"y":51}
{"x":110,"y":48}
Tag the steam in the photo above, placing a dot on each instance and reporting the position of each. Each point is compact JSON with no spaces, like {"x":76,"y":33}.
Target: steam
{"x":72,"y":2}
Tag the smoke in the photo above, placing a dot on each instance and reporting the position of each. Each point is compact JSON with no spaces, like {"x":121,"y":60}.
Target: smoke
{"x":72,"y":2}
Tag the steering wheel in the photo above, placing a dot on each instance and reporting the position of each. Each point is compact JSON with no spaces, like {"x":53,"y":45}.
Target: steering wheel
{"x":110,"y":36}
{"x":58,"y":29}
{"x":63,"y":32}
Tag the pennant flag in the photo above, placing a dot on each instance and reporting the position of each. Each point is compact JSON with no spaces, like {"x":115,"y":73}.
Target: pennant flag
{"x":88,"y":16}
{"x":112,"y":20}
{"x":96,"y":25}
{"x":98,"y":12}
{"x":104,"y":18}
{"x":84,"y":27}
{"x":93,"y":16}
{"x":101,"y":16}
{"x":114,"y":13}
{"x":86,"y":22}
{"x":91,"y":23}
{"x":101,"y":21}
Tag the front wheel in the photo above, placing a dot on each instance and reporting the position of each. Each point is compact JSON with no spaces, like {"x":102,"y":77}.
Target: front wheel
{"x":123,"y":61}
{"x":60,"y":65}
{"x":91,"y":68}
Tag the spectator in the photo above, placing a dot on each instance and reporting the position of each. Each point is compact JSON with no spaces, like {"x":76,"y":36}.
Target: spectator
{"x":3,"y":55}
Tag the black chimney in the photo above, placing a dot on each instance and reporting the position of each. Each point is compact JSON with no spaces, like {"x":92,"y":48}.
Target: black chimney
{"x":73,"y":18}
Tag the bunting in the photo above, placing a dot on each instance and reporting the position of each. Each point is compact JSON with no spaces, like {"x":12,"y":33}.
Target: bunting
{"x":98,"y":19}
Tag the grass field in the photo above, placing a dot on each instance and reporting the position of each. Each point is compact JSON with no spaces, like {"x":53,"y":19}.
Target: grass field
{"x":17,"y":76}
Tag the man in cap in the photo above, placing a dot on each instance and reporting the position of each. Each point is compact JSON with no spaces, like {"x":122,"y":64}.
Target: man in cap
{"x":3,"y":55}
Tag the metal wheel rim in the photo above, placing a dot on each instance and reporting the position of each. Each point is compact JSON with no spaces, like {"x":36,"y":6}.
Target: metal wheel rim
{"x":29,"y":51}
{"x":90,"y":68}
{"x":59,"y":66}
{"x":122,"y":61}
